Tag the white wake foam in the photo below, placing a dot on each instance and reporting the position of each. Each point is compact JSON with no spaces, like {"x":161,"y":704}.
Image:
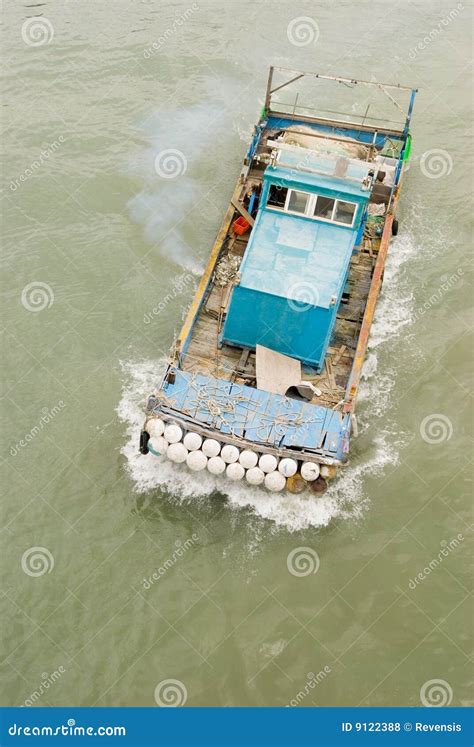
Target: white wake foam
{"x":344,"y":498}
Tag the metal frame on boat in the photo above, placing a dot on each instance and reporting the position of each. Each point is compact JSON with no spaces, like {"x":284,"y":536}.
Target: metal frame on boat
{"x":216,"y":406}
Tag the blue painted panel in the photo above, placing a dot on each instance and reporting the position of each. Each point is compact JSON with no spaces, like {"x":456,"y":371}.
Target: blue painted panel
{"x":250,"y":404}
{"x":178,"y":393}
{"x":259,"y":318}
{"x":258,"y":416}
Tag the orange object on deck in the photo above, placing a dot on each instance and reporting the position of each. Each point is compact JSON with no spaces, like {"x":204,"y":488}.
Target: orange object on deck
{"x":240,"y":226}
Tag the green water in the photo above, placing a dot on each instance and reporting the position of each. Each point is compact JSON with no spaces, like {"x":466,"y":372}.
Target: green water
{"x":93,"y":242}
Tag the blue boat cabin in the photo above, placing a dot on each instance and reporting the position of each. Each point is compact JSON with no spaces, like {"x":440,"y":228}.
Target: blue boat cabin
{"x":294,"y":272}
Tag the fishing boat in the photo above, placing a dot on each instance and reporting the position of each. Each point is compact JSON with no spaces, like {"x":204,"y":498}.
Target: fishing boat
{"x":261,"y":383}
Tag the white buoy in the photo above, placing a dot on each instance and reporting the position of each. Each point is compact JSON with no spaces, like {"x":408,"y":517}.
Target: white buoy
{"x":211,"y":447}
{"x":196,"y":461}
{"x":230,"y":453}
{"x":275,"y":481}
{"x":248,"y":458}
{"x":192,"y":441}
{"x":288,"y":467}
{"x":173,"y":433}
{"x":216,"y":465}
{"x":267,"y":463}
{"x":155,"y":427}
{"x":310,"y":471}
{"x":255,"y":476}
{"x":235,"y":471}
{"x":158,"y":445}
{"x":177,"y":453}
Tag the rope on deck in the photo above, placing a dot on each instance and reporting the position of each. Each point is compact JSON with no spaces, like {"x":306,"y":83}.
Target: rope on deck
{"x":227,"y":408}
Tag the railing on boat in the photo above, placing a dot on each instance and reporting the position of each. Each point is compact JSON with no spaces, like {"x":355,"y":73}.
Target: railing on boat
{"x":297,"y":108}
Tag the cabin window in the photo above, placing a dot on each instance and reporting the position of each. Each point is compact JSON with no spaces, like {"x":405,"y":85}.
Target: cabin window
{"x":277,"y":196}
{"x":311,"y":205}
{"x":324,"y":207}
{"x":297,"y":202}
{"x":344,"y":212}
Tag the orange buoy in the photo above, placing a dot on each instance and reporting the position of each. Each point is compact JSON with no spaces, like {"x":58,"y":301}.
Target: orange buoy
{"x":328,"y":471}
{"x":295,"y":483}
{"x":319,"y":485}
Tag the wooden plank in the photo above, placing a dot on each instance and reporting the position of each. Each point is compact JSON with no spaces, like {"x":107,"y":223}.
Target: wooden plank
{"x":339,"y":355}
{"x":245,"y":213}
{"x":363,"y":340}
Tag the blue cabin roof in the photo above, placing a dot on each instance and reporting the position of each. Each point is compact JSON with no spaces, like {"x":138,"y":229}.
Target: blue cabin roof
{"x":286,"y":253}
{"x":319,"y":172}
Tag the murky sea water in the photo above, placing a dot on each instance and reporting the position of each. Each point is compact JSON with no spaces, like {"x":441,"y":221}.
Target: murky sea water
{"x":120,"y":575}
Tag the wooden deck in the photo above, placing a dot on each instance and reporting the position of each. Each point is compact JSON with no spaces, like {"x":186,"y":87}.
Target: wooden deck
{"x":205,"y":355}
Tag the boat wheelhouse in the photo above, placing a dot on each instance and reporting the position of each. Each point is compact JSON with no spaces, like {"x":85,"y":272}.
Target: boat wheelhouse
{"x":297,"y":260}
{"x":262,"y":381}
